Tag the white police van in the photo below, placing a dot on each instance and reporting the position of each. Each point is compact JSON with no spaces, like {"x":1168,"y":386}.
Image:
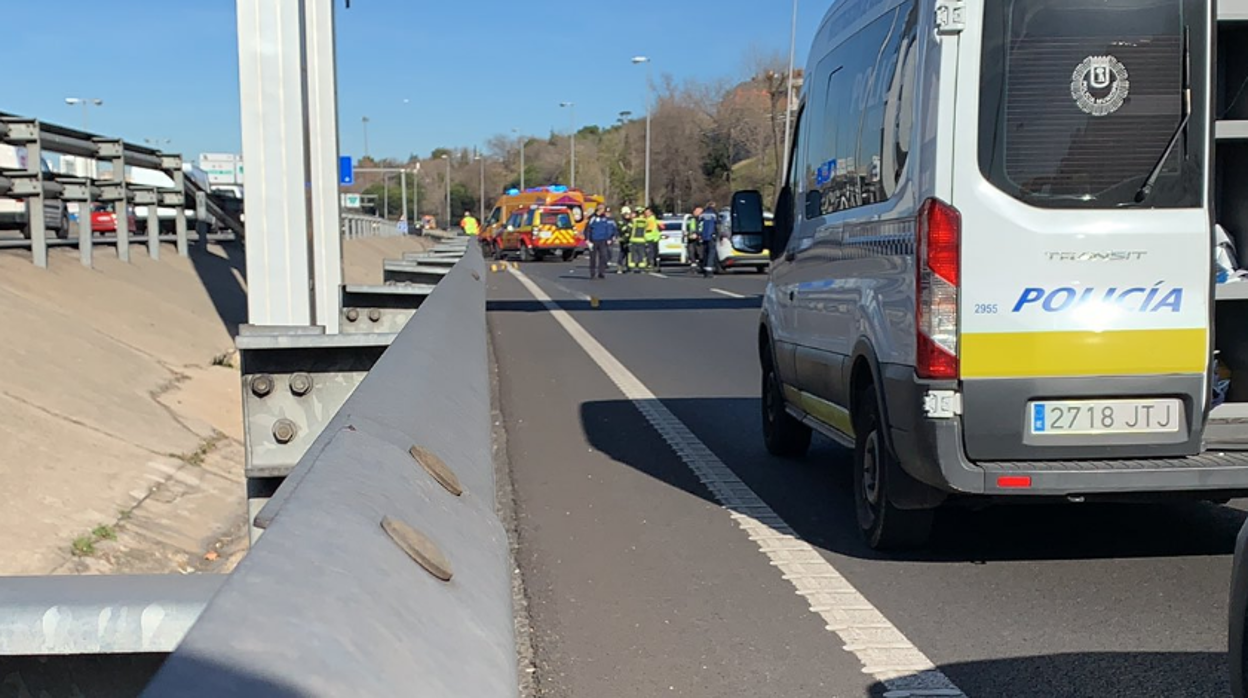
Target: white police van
{"x":992,"y":267}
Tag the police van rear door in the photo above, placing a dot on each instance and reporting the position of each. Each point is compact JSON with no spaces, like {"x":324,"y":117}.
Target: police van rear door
{"x":1085,"y":267}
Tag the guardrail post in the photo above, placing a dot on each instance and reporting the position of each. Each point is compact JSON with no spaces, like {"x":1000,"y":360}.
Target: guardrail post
{"x":78,"y":191}
{"x":173,"y":164}
{"x":201,"y":218}
{"x":149,"y":197}
{"x":26,"y":133}
{"x":115,"y":152}
{"x":86,"y":236}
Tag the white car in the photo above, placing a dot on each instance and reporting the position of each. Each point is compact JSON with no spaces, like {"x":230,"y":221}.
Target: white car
{"x":672,"y":247}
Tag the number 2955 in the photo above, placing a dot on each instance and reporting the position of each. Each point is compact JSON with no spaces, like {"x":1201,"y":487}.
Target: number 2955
{"x":986,"y":309}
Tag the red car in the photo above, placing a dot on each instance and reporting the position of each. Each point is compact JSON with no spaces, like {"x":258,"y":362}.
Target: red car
{"x":104,"y":220}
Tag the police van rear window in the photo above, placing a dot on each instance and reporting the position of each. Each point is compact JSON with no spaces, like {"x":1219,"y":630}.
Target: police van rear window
{"x":1079,"y":100}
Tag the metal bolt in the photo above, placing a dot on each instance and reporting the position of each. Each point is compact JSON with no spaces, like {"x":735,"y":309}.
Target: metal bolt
{"x":374,"y":315}
{"x":262,"y":385}
{"x":476,"y":276}
{"x":438,"y":469}
{"x":284,"y":431}
{"x":419,"y":547}
{"x":301,"y":384}
{"x":352,"y":315}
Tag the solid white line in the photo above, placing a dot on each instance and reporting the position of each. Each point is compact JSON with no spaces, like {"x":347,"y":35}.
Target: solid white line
{"x":730,"y":294}
{"x":658,"y":275}
{"x":884,"y":651}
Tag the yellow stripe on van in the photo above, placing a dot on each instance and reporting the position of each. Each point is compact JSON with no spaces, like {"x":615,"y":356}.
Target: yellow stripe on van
{"x":827,"y":412}
{"x":1052,"y":354}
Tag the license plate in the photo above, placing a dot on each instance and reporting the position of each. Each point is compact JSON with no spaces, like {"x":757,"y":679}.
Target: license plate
{"x":1162,"y":416}
{"x":544,"y":235}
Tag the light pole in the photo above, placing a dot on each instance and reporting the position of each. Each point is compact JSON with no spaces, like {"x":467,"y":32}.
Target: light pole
{"x":364,"y":120}
{"x":788,"y":96}
{"x":517,"y":131}
{"x":86,"y":103}
{"x":481,"y":205}
{"x":638,"y":60}
{"x":448,"y":190}
{"x":572,"y":107}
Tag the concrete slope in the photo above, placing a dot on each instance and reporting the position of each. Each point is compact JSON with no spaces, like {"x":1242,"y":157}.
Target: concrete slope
{"x":120,"y":418}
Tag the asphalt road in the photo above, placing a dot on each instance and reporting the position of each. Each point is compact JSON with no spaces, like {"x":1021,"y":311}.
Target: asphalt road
{"x":641,"y":584}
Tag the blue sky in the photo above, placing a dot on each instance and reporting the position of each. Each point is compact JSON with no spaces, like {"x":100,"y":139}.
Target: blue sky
{"x":470,"y":69}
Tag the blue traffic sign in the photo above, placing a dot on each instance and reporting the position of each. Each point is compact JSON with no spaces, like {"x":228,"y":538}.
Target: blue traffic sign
{"x":346,"y":172}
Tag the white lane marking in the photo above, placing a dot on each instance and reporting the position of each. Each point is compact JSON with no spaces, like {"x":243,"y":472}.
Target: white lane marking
{"x":730,"y":294}
{"x":885,"y":653}
{"x":576,"y":294}
{"x":658,"y":275}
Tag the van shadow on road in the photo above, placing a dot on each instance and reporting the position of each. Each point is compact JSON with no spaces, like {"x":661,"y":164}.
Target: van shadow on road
{"x":814,"y":495}
{"x":1091,"y":675}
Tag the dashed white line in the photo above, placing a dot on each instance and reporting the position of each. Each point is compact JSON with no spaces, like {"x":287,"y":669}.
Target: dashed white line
{"x":885,"y":653}
{"x":730,"y":294}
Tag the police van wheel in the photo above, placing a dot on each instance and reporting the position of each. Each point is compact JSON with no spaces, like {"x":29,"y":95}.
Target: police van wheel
{"x":526,"y":253}
{"x":884,"y":526}
{"x":569,"y":255}
{"x":783,"y":435}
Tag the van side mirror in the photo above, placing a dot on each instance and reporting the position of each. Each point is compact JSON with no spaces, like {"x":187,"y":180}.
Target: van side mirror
{"x":747,"y":213}
{"x":746,"y":224}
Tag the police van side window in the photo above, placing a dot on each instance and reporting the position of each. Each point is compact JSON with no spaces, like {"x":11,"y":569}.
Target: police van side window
{"x":865,"y":90}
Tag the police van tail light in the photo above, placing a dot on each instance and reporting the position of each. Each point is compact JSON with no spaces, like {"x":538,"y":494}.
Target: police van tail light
{"x":938,"y":267}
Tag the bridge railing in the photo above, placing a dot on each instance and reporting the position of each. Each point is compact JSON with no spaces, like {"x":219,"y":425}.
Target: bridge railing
{"x":36,"y":199}
{"x":383,"y":568}
{"x":358,"y":225}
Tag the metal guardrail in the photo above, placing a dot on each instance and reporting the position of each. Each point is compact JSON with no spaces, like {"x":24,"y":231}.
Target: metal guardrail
{"x":383,"y":569}
{"x":36,"y":189}
{"x":356,"y":225}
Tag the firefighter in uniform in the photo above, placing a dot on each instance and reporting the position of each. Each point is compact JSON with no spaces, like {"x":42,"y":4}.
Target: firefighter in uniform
{"x":625,"y":226}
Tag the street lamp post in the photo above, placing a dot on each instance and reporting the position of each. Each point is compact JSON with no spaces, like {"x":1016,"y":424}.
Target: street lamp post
{"x":481,"y":204}
{"x":517,"y":132}
{"x":448,"y":190}
{"x":364,"y":120}
{"x":638,"y":60}
{"x":788,"y":96}
{"x":86,"y":103}
{"x":572,"y":107}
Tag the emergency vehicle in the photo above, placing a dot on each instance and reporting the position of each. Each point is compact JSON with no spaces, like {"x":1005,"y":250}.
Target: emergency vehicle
{"x":538,"y":232}
{"x":992,"y":272}
{"x":576,"y":201}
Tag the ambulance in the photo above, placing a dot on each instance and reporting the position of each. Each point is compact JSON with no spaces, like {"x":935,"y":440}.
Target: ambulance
{"x":992,"y":272}
{"x":576,"y":201}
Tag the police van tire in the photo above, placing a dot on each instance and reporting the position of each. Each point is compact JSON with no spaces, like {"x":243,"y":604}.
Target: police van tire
{"x":884,"y":526}
{"x":526,"y":253}
{"x":783,"y":435}
{"x":569,"y":255}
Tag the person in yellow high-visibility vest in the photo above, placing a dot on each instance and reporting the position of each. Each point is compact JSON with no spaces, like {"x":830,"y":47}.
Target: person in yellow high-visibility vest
{"x":637,"y":258}
{"x":654,"y":235}
{"x":469,"y":224}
